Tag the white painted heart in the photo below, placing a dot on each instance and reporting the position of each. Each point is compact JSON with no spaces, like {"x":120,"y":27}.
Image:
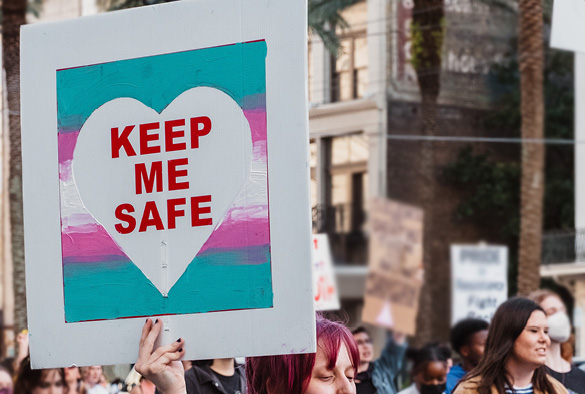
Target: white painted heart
{"x":108,"y":175}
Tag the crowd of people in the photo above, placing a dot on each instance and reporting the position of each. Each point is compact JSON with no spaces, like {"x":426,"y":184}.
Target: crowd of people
{"x":525,"y":349}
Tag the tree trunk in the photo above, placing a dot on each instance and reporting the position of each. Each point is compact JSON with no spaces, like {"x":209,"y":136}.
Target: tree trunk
{"x":530,"y":41}
{"x":13,"y":16}
{"x":427,"y":41}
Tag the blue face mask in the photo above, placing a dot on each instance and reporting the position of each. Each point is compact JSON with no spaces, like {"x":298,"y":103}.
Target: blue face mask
{"x":433,"y":388}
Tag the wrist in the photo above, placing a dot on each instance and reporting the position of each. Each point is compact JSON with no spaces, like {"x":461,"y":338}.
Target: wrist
{"x":176,"y":389}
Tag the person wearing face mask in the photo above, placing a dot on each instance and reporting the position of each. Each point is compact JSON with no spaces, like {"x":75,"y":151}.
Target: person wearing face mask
{"x":429,"y":370}
{"x":559,"y":331}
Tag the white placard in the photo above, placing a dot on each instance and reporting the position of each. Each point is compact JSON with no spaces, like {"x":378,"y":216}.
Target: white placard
{"x":160,"y":148}
{"x":324,"y":282}
{"x":568,"y":25}
{"x":479,"y":280}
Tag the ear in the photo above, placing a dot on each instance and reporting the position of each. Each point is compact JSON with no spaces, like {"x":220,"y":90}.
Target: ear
{"x":464,"y":351}
{"x":269,"y":387}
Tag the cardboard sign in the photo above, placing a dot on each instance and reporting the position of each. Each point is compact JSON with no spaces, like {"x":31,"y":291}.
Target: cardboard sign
{"x":568,"y":25}
{"x":151,"y":188}
{"x":479,"y":280}
{"x":324,"y":283}
{"x":395,"y":267}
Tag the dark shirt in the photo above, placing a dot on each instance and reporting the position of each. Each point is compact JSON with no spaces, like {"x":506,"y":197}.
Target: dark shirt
{"x":202,"y":380}
{"x":574,"y":380}
{"x":231,"y":384}
{"x":365,"y":385}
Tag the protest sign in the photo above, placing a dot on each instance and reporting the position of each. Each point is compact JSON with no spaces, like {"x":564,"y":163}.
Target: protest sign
{"x":150,"y":186}
{"x":324,"y":283}
{"x":568,"y":25}
{"x":479,"y":280}
{"x":395,"y":267}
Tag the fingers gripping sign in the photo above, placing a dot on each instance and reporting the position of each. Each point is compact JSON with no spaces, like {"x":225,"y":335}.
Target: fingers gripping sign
{"x":161,"y":366}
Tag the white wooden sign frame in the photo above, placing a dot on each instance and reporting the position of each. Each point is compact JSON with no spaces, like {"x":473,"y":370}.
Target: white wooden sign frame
{"x":286,"y":327}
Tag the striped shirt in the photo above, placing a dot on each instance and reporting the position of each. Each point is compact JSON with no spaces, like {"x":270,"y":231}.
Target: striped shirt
{"x":520,"y":390}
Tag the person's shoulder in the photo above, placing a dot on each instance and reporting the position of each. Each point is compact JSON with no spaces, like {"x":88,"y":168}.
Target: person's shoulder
{"x":558,"y":386}
{"x":468,"y":385}
{"x":576,"y":371}
{"x":456,"y":372}
{"x":409,"y":390}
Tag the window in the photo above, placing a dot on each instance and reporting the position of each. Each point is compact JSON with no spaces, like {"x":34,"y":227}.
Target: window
{"x":349,"y":72}
{"x":340,"y":210}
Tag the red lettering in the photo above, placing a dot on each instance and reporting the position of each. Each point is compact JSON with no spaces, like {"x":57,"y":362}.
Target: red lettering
{"x":125,"y":217}
{"x":197,"y":132}
{"x":122,"y":141}
{"x":141,"y":177}
{"x":145,"y":138}
{"x":150,"y":209}
{"x":174,"y":173}
{"x":197,"y":211}
{"x":172,"y":211}
{"x":171,"y":134}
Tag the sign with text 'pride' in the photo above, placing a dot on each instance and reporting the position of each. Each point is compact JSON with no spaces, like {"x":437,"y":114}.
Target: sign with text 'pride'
{"x":148,"y":142}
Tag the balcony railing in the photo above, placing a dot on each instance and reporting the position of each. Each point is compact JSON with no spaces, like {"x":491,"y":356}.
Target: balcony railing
{"x":563,"y":247}
{"x":344,"y":225}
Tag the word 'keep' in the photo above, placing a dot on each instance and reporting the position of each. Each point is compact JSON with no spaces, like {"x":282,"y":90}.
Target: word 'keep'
{"x":150,"y":136}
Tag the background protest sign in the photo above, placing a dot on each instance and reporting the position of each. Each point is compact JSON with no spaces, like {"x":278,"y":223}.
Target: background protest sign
{"x":568,"y":25}
{"x":479,"y":280}
{"x":395,"y":267}
{"x":324,"y":283}
{"x":150,"y":186}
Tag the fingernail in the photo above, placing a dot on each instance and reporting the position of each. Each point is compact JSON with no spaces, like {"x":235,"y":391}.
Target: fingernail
{"x":180,"y":350}
{"x":179,"y":340}
{"x":156,"y":321}
{"x":146,"y":321}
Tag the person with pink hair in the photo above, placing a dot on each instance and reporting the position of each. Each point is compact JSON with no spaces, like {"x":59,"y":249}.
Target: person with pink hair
{"x":331,"y":370}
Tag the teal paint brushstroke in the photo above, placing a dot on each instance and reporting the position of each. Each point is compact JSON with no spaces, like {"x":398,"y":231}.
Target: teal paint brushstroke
{"x":239,"y":70}
{"x":118,"y":289}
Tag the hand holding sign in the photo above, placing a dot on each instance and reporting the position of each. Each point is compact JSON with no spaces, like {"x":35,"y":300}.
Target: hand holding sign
{"x":161,"y":160}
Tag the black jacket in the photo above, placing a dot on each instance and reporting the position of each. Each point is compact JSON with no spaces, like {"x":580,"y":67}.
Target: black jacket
{"x":201,"y":380}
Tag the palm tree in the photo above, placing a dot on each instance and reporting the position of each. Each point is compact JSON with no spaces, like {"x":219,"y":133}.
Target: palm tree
{"x":531,"y":64}
{"x":427,"y":45}
{"x":13,"y":16}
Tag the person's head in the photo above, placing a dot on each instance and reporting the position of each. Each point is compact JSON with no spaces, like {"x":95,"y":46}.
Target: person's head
{"x":549,"y":301}
{"x":429,"y":368}
{"x":556,"y":312}
{"x":468,"y":339}
{"x":6,"y":383}
{"x":364,"y":344}
{"x":39,"y":381}
{"x":331,"y":370}
{"x":518,"y":336}
{"x":72,"y":375}
{"x":93,"y":375}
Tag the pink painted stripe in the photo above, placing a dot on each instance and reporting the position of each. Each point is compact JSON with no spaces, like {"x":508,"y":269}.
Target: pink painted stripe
{"x":239,"y":234}
{"x":257,"y":120}
{"x":96,"y":243}
{"x":67,"y":143}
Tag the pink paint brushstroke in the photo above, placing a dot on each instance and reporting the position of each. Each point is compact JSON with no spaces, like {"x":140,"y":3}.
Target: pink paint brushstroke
{"x":89,"y":243}
{"x":239,"y":234}
{"x":67,"y":142}
{"x":257,"y":120}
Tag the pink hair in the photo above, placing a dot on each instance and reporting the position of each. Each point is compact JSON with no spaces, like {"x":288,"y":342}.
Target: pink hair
{"x":291,"y":373}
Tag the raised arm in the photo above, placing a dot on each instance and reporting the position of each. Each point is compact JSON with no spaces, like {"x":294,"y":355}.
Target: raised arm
{"x":161,"y":366}
{"x":393,"y":354}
